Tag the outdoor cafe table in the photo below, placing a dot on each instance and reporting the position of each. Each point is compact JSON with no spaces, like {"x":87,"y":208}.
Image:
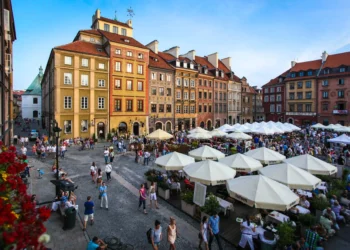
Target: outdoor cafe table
{"x":259,"y":233}
{"x":304,"y":193}
{"x":277,"y":217}
{"x":224,"y":205}
{"x":300,"y":209}
{"x":322,"y":187}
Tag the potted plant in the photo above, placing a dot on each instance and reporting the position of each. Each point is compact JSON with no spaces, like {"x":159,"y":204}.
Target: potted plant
{"x":150,"y":179}
{"x":319,"y":204}
{"x":94,"y":137}
{"x":210,"y":207}
{"x":306,"y":221}
{"x":163,"y":190}
{"x":286,"y":235}
{"x":187,"y":204}
{"x":109,"y":137}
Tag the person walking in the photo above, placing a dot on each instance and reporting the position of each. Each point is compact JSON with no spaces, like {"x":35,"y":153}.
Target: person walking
{"x":106,"y":154}
{"x":146,"y":157}
{"x":108,"y":170}
{"x":111,"y":155}
{"x":156,"y":235}
{"x":203,"y":234}
{"x":89,"y":212}
{"x":153,"y":195}
{"x":24,"y":150}
{"x":172,"y":233}
{"x":214,"y":222}
{"x":247,"y":230}
{"x":103,"y":195}
{"x":143,"y":198}
{"x":99,"y":178}
{"x":93,"y":172}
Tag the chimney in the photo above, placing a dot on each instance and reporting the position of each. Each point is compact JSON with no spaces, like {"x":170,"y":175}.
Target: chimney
{"x":292,"y":63}
{"x":175,"y":51}
{"x":129,"y":23}
{"x":97,"y":15}
{"x":213,"y":59}
{"x":41,"y":71}
{"x":153,"y":46}
{"x":227,"y":62}
{"x":324,"y":56}
{"x":191,"y":55}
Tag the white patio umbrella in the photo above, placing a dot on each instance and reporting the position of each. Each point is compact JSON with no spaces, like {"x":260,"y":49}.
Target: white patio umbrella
{"x":331,"y":127}
{"x":262,"y":192}
{"x":283,"y":127}
{"x":263,"y":131}
{"x":344,"y":139}
{"x":174,"y":161}
{"x":292,"y":126}
{"x":318,"y":126}
{"x":265,"y":155}
{"x":312,"y":164}
{"x":291,"y":176}
{"x":225,"y":128}
{"x":343,"y":129}
{"x":217,"y":133}
{"x":206,"y":153}
{"x":198,"y":130}
{"x":239,"y":136}
{"x":241,"y":163}
{"x":209,"y":172}
{"x":200,"y":136}
{"x":159,"y":135}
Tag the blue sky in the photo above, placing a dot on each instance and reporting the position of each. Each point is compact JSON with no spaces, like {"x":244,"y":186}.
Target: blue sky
{"x":261,"y":36}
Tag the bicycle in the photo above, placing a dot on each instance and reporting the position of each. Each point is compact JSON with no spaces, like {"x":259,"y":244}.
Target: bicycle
{"x":115,"y":244}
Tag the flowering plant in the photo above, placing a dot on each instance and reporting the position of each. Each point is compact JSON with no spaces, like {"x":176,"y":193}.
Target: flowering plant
{"x":21,"y":223}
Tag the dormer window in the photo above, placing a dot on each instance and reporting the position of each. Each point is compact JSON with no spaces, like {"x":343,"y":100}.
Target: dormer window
{"x":177,"y":63}
{"x":92,"y":39}
{"x":309,"y":73}
{"x":126,"y":40}
{"x":99,"y":50}
{"x":222,"y":74}
{"x":155,"y":59}
{"x":326,"y":71}
{"x":292,"y":75}
{"x":191,"y":65}
{"x":206,"y":71}
{"x":301,"y":73}
{"x":140,"y":56}
{"x":280,"y":79}
{"x":341,"y":70}
{"x":216,"y":73}
{"x":185,"y":64}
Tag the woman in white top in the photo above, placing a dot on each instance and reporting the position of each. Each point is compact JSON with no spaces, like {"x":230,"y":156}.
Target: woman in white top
{"x":203,"y":234}
{"x":248,"y":230}
{"x":93,"y":172}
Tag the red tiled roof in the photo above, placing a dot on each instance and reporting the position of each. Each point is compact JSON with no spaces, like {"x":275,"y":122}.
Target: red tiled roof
{"x":122,"y":39}
{"x":275,"y":81}
{"x":83,"y":47}
{"x":166,"y":56}
{"x":159,"y":63}
{"x":18,"y":92}
{"x":303,"y":66}
{"x":95,"y":32}
{"x":223,"y":67}
{"x":252,"y":90}
{"x":182,"y":58}
{"x":336,"y":60}
{"x":203,"y":61}
{"x":112,"y":21}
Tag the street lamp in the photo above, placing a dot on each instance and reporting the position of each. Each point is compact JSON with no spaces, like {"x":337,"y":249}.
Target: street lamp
{"x":57,"y":132}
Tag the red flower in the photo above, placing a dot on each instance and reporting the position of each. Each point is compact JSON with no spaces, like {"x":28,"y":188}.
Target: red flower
{"x":9,"y":237}
{"x":12,"y":148}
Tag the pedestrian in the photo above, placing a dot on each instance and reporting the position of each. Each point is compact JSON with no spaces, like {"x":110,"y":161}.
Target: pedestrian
{"x":156,"y":235}
{"x":143,"y":198}
{"x":214,"y":222}
{"x":106,"y":154}
{"x":24,"y":150}
{"x":99,"y":178}
{"x":203,"y":234}
{"x":153,"y":195}
{"x":96,"y":243}
{"x":108,"y":170}
{"x":103,"y":195}
{"x":247,"y":230}
{"x":92,"y":143}
{"x":146,"y":158}
{"x":172,"y":233}
{"x":63,"y":150}
{"x":89,"y":212}
{"x":93,"y":172}
{"x":111,"y":155}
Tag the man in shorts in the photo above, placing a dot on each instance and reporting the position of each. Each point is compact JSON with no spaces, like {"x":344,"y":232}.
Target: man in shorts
{"x":89,"y":212}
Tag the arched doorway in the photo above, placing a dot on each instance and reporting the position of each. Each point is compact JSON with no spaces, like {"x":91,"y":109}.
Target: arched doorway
{"x":179,"y":126}
{"x":159,"y":125}
{"x":35,"y":114}
{"x":136,"y":129}
{"x":202,"y":124}
{"x":123,"y":128}
{"x":290,"y":120}
{"x":168,"y":126}
{"x":209,"y":126}
{"x":101,"y":130}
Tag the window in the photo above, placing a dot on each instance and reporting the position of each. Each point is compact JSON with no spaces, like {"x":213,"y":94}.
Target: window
{"x":340,"y":93}
{"x":200,"y":95}
{"x":272,"y":108}
{"x":291,"y":86}
{"x":140,"y":69}
{"x":67,"y":102}
{"x":300,"y":95}
{"x":205,"y":108}
{"x":192,"y":83}
{"x":92,"y":39}
{"x":291,"y":108}
{"x":178,"y":109}
{"x":266,"y":90}
{"x":84,"y":125}
{"x":117,"y":105}
{"x":193,"y":95}
{"x":168,"y":108}
{"x":278,"y":108}
{"x":129,"y":67}
{"x":308,"y":107}
{"x":224,"y":96}
{"x":118,"y":52}
{"x":68,"y":60}
{"x":341,"y":70}
{"x":161,"y":77}
{"x":205,"y":95}
{"x":161,"y":108}
{"x":278,"y":98}
{"x":301,"y":73}
{"x":153,"y":91}
{"x":129,"y":53}
{"x":84,"y":62}
{"x":324,"y":106}
{"x":124,"y":32}
{"x":341,"y":81}
{"x":300,"y":85}
{"x":178,"y":95}
{"x":292,"y":75}
{"x":272,"y":98}
{"x":326,"y":71}
{"x":309,"y":73}
{"x":168,"y":78}
{"x":161,"y":91}
{"x":272,"y":90}
{"x":139,"y":86}
{"x":67,"y":126}
{"x":177,"y":63}
{"x":308,"y":84}
{"x":139,"y":105}
{"x":266,"y":98}
{"x":230,"y":96}
{"x":220,"y":85}
{"x":210,"y":83}
{"x":291,"y":96}
{"x":209,"y":109}
{"x":325,"y":94}
{"x":101,"y":103}
{"x":200,"y":82}
{"x":118,"y":66}
{"x":185,"y":64}
{"x":168,"y":92}
{"x":216,"y":95}
{"x":129,"y":84}
{"x":101,"y":82}
{"x":200,"y":108}
{"x":210,"y":95}
{"x":186,"y":82}
{"x":325,"y":83}
{"x":140,"y":56}
{"x":186,"y":95}
{"x":308,"y":95}
{"x":178,"y":81}
{"x":84,"y":102}
{"x":224,"y":85}
{"x":300,"y":107}
{"x":129,"y":105}
{"x":191,"y":65}
{"x":153,"y":108}
{"x":115,"y":29}
{"x":279,"y":89}
{"x":153,"y":76}
{"x":117,"y":84}
{"x":106,"y":27}
{"x":67,"y":78}
{"x":84,"y":80}
{"x":101,"y":66}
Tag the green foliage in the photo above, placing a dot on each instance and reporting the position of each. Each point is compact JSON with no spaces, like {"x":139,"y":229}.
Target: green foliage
{"x":94,"y":137}
{"x":152,"y":178}
{"x":286,"y":234}
{"x":113,"y":130}
{"x":338,"y":184}
{"x":163,"y":185}
{"x":109,"y":136}
{"x":194,"y":144}
{"x":233,"y":150}
{"x":150,"y":172}
{"x":345,"y":173}
{"x":307,"y":220}
{"x":211,"y":205}
{"x":333,"y":191}
{"x":319,"y":203}
{"x":187,"y":197}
